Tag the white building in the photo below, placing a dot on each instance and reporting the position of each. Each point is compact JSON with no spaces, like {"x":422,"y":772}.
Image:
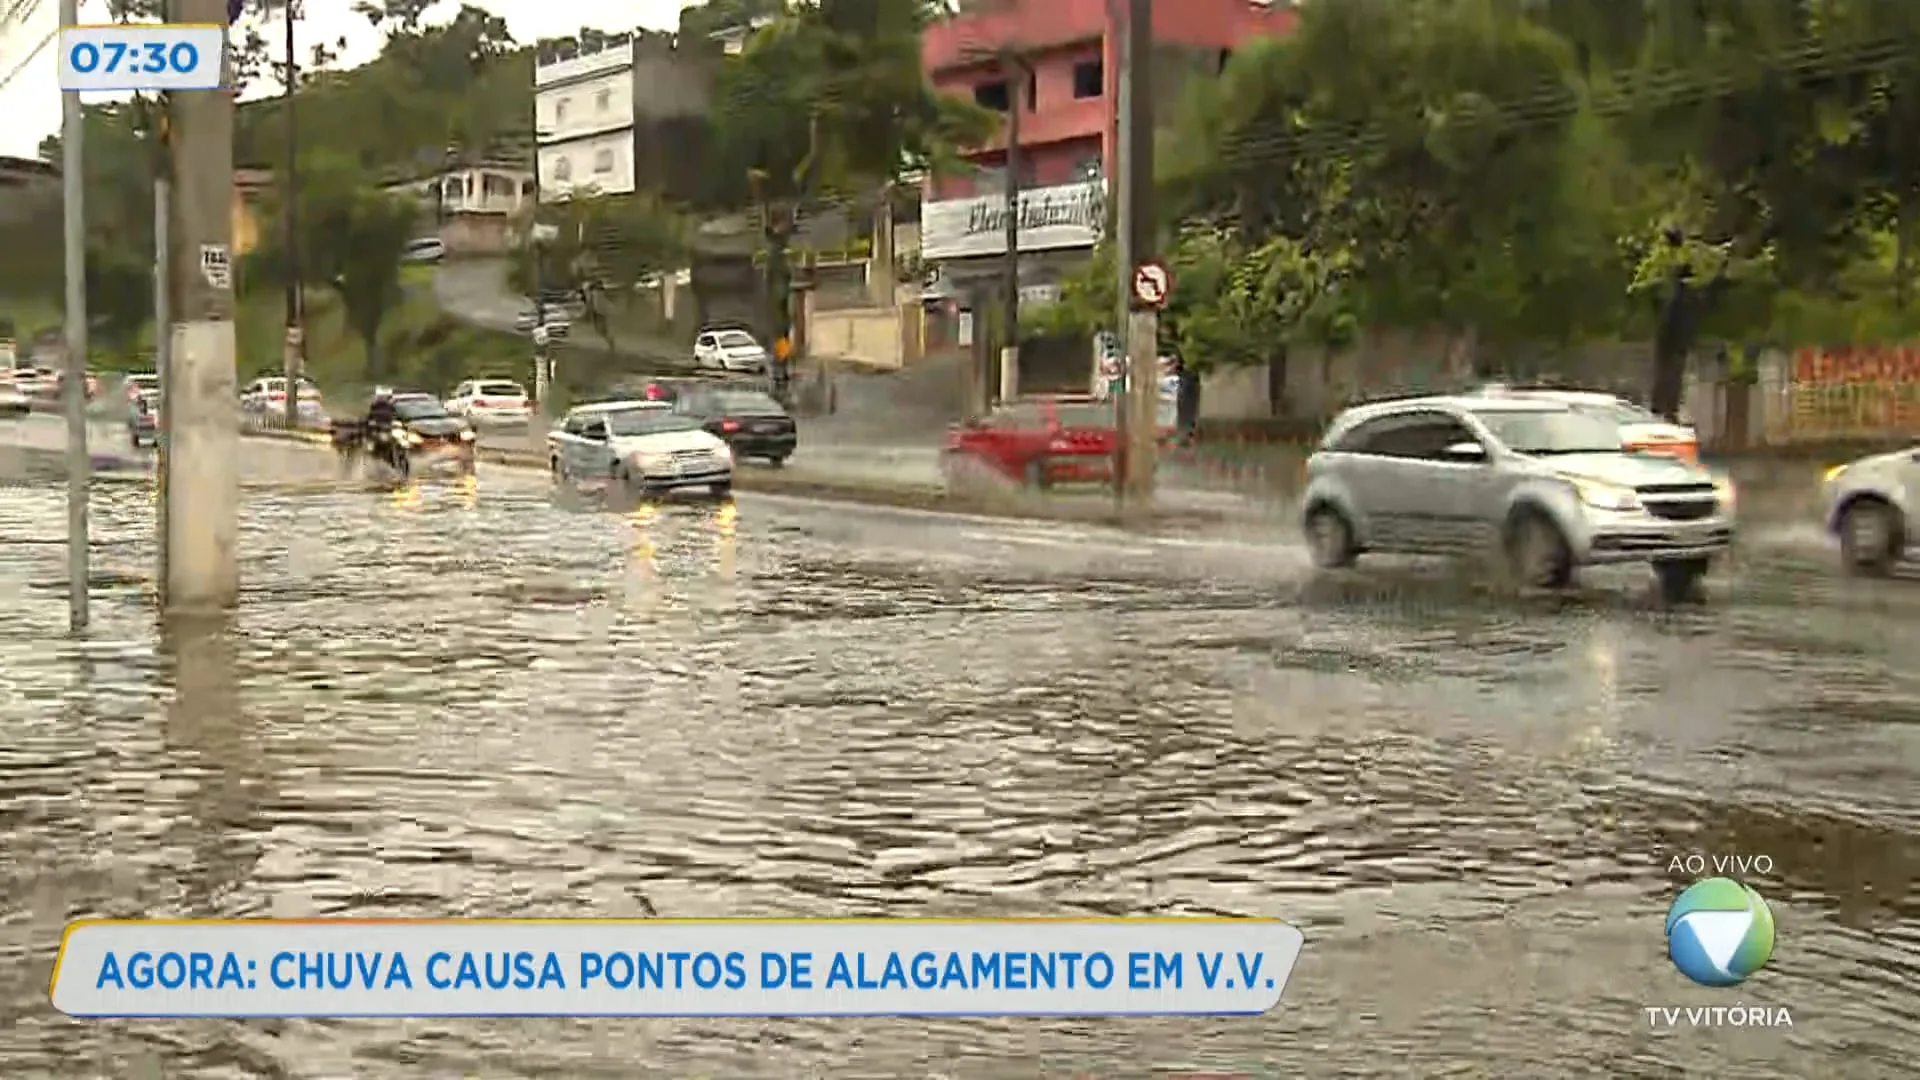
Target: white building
{"x":584,"y":121}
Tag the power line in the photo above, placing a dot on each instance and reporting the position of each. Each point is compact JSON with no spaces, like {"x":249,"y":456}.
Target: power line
{"x":30,"y":57}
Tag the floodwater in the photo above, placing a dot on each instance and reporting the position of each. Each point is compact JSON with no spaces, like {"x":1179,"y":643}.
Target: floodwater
{"x":476,"y":701}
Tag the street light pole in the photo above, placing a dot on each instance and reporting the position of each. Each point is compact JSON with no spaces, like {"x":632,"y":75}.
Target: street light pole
{"x":295,"y":300}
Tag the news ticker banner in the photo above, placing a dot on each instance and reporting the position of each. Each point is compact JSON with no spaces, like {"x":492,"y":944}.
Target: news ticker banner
{"x":142,"y":57}
{"x":666,"y":967}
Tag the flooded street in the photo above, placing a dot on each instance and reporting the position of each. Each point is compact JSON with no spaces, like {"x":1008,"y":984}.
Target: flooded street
{"x":476,"y":701}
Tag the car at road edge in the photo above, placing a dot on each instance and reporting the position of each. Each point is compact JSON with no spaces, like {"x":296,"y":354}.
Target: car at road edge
{"x":1544,"y":487}
{"x":1869,"y":509}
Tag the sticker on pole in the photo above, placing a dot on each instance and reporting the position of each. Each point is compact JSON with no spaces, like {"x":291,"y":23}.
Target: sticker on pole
{"x":216,"y":266}
{"x":1152,"y":284}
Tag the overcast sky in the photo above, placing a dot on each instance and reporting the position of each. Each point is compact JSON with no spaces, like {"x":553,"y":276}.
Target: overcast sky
{"x":30,"y":98}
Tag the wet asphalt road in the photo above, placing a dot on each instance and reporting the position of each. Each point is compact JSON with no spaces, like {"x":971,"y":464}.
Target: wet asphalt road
{"x":480,"y":700}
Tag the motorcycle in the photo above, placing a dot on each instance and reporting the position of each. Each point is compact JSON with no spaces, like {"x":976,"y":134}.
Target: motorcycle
{"x":354,"y":442}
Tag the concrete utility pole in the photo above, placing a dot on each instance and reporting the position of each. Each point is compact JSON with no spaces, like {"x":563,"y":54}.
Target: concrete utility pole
{"x":1138,"y":407}
{"x":203,"y":490}
{"x":79,"y":462}
{"x":295,"y":347}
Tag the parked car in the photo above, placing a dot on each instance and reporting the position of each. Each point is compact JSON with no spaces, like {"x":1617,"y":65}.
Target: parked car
{"x":729,"y":350}
{"x":425,"y":249}
{"x":753,"y":424}
{"x":490,"y":402}
{"x":269,"y":394}
{"x":1042,"y":441}
{"x":1640,"y":429}
{"x":13,"y":402}
{"x":1544,"y":486}
{"x":1870,"y":508}
{"x":644,"y":446}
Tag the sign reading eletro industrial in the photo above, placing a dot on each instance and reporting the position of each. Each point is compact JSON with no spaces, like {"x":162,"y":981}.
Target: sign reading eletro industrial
{"x":1051,"y":218}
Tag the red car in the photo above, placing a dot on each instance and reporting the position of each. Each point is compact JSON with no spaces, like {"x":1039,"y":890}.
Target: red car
{"x":1041,"y":441}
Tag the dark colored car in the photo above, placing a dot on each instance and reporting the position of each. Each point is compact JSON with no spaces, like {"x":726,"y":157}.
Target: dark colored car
{"x":429,"y":425}
{"x":752,"y":422}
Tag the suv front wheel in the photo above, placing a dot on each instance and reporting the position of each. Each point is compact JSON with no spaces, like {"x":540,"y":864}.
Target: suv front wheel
{"x":1538,"y":555}
{"x":1330,"y":538}
{"x":1679,"y":579}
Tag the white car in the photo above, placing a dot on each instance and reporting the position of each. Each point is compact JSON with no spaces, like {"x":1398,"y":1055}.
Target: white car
{"x":645,"y":446}
{"x":490,"y":402}
{"x":729,"y":350}
{"x":425,"y":249}
{"x":267,"y":398}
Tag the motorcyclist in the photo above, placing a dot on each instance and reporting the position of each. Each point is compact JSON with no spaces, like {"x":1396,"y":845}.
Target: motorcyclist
{"x":381,"y":414}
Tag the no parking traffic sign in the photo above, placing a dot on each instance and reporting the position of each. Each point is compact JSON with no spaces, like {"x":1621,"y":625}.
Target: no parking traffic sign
{"x":1152,"y":284}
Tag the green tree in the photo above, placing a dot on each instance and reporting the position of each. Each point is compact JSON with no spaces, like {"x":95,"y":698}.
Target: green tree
{"x":352,"y":239}
{"x":829,"y":100}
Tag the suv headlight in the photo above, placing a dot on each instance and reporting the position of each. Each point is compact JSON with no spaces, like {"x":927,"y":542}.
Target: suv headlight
{"x":1834,"y":473}
{"x":1605,"y":496}
{"x":1723,"y":490}
{"x":723,"y":452}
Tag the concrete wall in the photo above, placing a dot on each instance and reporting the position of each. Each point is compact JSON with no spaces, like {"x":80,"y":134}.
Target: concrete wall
{"x":1317,"y":383}
{"x":880,"y":337}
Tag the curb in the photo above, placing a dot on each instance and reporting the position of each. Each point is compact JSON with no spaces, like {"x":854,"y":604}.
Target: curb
{"x":903,"y":497}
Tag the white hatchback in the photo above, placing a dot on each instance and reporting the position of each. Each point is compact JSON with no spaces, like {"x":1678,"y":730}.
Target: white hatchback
{"x":490,"y":402}
{"x":729,"y":350}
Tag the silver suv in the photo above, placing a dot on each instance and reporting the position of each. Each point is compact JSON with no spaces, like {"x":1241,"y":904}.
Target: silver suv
{"x":1542,"y":485}
{"x":1869,"y":503}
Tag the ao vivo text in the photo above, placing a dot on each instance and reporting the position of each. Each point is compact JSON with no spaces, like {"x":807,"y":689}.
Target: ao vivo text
{"x":1733,"y":866}
{"x":555,"y":970}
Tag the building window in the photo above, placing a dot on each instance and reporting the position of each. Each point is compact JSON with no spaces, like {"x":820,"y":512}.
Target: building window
{"x":603,"y":101}
{"x":560,"y":111}
{"x":1033,"y":90}
{"x":602,"y":162}
{"x":991,"y":95}
{"x":1089,"y":79}
{"x":562,"y":169}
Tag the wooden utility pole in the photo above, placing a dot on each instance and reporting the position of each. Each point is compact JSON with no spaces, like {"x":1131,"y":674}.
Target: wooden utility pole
{"x":202,"y":488}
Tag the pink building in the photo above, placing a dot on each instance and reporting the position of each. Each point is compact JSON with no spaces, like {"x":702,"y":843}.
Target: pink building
{"x":1068,"y":125}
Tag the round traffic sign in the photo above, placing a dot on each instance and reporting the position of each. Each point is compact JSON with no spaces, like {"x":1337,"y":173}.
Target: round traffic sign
{"x":1152,"y":284}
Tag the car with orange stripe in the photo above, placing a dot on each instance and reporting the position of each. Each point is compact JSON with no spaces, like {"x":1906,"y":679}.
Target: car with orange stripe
{"x":1640,"y":429}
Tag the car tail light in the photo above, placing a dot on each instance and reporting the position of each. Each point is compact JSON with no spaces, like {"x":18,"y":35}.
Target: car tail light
{"x":482,"y":403}
{"x":729,"y":425}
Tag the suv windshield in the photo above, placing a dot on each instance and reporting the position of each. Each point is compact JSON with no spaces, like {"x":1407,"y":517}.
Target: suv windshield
{"x":629,"y":422}
{"x":1551,"y":431}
